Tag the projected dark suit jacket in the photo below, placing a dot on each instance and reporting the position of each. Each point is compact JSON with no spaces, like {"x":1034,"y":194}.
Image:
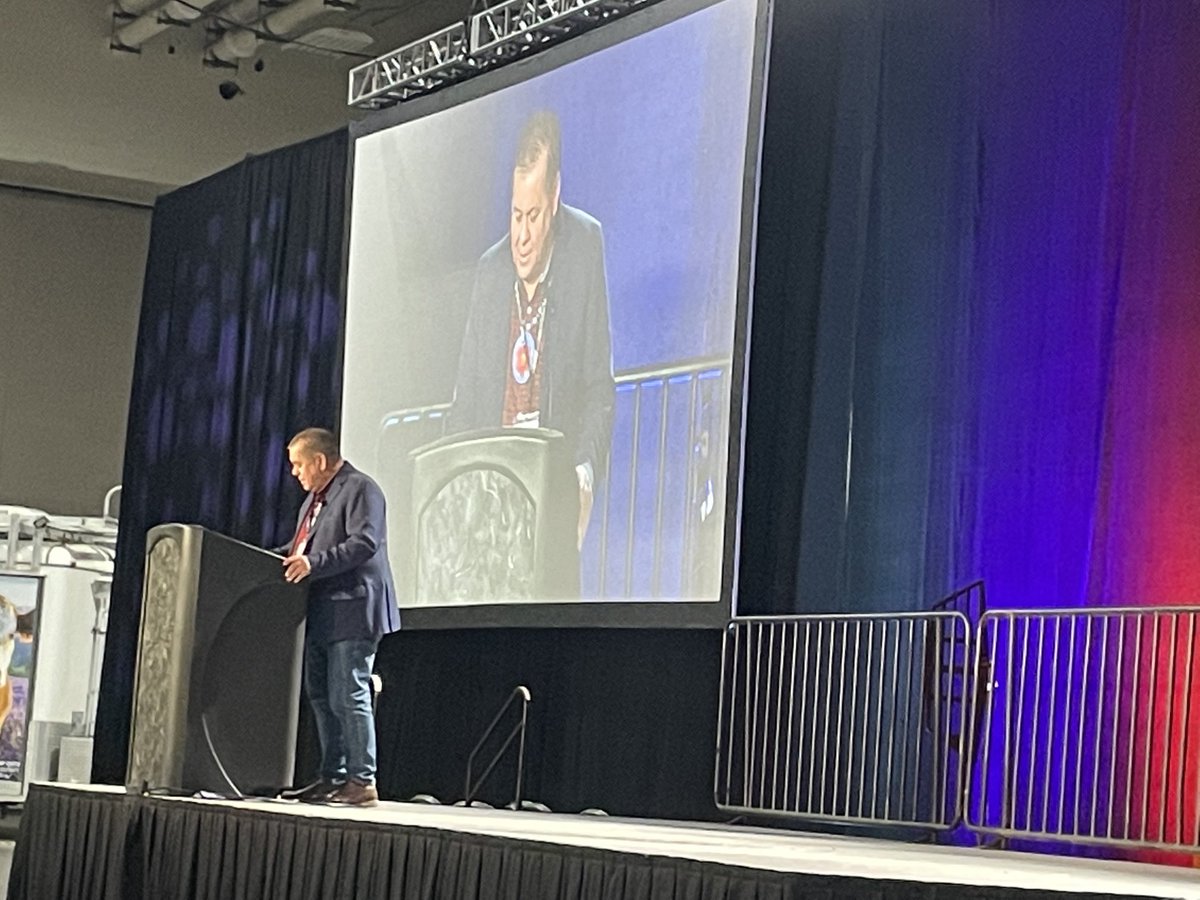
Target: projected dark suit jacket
{"x":577,"y":381}
{"x":351,"y":595}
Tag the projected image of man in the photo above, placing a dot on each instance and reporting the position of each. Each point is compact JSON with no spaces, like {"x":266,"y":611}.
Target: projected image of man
{"x":537,"y":351}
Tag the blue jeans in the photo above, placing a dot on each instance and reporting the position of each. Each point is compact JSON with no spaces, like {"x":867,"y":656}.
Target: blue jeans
{"x":337,"y":677}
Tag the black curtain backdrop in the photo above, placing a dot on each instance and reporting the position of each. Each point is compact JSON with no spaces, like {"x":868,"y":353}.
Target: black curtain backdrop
{"x":802,"y":106}
{"x":620,"y":720}
{"x":239,"y":345}
{"x":238,"y":348}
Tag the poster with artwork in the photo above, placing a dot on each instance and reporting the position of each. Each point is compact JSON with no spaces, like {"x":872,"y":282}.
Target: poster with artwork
{"x":19,"y":596}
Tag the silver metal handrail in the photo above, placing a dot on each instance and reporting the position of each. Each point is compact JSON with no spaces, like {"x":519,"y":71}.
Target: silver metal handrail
{"x":1088,"y":730}
{"x":844,"y":718}
{"x":520,"y":694}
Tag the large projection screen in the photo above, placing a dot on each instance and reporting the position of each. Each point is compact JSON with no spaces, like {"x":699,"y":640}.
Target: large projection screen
{"x":548,"y":298}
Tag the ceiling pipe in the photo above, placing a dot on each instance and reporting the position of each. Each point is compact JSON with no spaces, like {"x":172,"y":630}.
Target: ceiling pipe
{"x":154,"y":21}
{"x":241,"y":11}
{"x":131,"y":9}
{"x":242,"y":43}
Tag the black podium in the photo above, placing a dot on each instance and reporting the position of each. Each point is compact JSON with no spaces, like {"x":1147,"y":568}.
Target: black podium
{"x":494,"y":518}
{"x":217,"y":687}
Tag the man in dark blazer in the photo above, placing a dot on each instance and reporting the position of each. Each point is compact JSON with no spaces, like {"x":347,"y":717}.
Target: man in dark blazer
{"x":537,"y":351}
{"x":341,"y":544}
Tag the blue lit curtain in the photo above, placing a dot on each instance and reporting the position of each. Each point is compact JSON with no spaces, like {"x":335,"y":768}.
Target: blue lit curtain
{"x":237,"y":350}
{"x":974,"y":333}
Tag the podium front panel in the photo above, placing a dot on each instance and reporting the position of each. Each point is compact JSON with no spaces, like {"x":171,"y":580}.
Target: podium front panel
{"x":494,"y":519}
{"x":217,"y":690}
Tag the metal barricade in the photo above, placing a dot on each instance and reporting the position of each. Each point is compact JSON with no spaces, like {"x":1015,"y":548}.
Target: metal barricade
{"x":1090,"y":727}
{"x":848,"y":719}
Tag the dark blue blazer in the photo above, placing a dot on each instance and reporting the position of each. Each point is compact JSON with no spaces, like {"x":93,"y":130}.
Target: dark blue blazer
{"x":351,"y":595}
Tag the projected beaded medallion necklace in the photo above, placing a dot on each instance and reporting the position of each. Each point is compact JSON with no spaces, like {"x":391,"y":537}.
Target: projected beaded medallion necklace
{"x":527,"y":345}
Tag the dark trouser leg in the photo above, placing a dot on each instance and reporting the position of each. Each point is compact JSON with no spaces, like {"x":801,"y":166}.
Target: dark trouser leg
{"x":349,"y":664}
{"x":329,"y":726}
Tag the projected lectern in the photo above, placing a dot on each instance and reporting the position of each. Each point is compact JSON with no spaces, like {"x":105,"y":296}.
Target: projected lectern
{"x":494,"y":518}
{"x":217,"y":688}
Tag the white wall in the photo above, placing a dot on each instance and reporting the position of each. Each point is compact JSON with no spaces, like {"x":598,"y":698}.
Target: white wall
{"x":68,"y":102}
{"x":71,"y":274}
{"x":78,"y":119}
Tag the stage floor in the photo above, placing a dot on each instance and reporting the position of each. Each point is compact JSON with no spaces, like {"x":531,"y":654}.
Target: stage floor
{"x":749,"y":848}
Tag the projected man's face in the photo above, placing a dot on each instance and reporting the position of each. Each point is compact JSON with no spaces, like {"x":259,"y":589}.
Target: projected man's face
{"x":534,"y":205}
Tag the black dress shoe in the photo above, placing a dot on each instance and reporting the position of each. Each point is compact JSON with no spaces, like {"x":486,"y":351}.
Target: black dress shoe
{"x":354,"y":793}
{"x":317,"y":792}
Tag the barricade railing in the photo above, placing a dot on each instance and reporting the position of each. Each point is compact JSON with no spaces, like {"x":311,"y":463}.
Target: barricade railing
{"x":1090,"y":727}
{"x":844,"y":718}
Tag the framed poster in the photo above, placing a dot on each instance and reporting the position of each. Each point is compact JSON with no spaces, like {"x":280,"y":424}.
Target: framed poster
{"x":20,"y":598}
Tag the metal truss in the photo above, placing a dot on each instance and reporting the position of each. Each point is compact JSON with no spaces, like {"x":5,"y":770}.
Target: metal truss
{"x":417,"y":68}
{"x":516,"y":27}
{"x":500,"y":33}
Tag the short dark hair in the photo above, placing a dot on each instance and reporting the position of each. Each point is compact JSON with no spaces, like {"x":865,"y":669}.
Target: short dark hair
{"x":540,"y":135}
{"x":318,"y":440}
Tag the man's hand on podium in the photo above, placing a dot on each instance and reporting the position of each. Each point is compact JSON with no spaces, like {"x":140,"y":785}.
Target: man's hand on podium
{"x":296,"y":568}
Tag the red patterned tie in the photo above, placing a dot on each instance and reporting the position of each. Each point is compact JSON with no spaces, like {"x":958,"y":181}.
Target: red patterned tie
{"x":306,"y":524}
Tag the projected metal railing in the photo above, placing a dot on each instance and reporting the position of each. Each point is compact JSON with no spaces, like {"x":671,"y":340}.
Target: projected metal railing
{"x":658,"y":517}
{"x":1091,"y":728}
{"x":848,"y":719}
{"x":662,"y":504}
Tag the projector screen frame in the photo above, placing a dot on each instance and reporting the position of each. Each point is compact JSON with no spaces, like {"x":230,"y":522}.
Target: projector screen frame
{"x":601,"y":613}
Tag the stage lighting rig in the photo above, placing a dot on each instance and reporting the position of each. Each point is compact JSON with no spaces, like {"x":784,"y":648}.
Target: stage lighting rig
{"x":491,"y":37}
{"x":417,"y":68}
{"x":516,"y":27}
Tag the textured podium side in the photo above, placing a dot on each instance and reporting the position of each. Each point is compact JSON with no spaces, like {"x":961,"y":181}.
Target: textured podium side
{"x":164,"y":656}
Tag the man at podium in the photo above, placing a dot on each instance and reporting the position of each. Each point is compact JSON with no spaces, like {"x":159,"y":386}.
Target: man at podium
{"x":537,"y":351}
{"x":341,"y":544}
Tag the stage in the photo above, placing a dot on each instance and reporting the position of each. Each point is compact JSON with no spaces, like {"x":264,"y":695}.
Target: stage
{"x":93,"y":842}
